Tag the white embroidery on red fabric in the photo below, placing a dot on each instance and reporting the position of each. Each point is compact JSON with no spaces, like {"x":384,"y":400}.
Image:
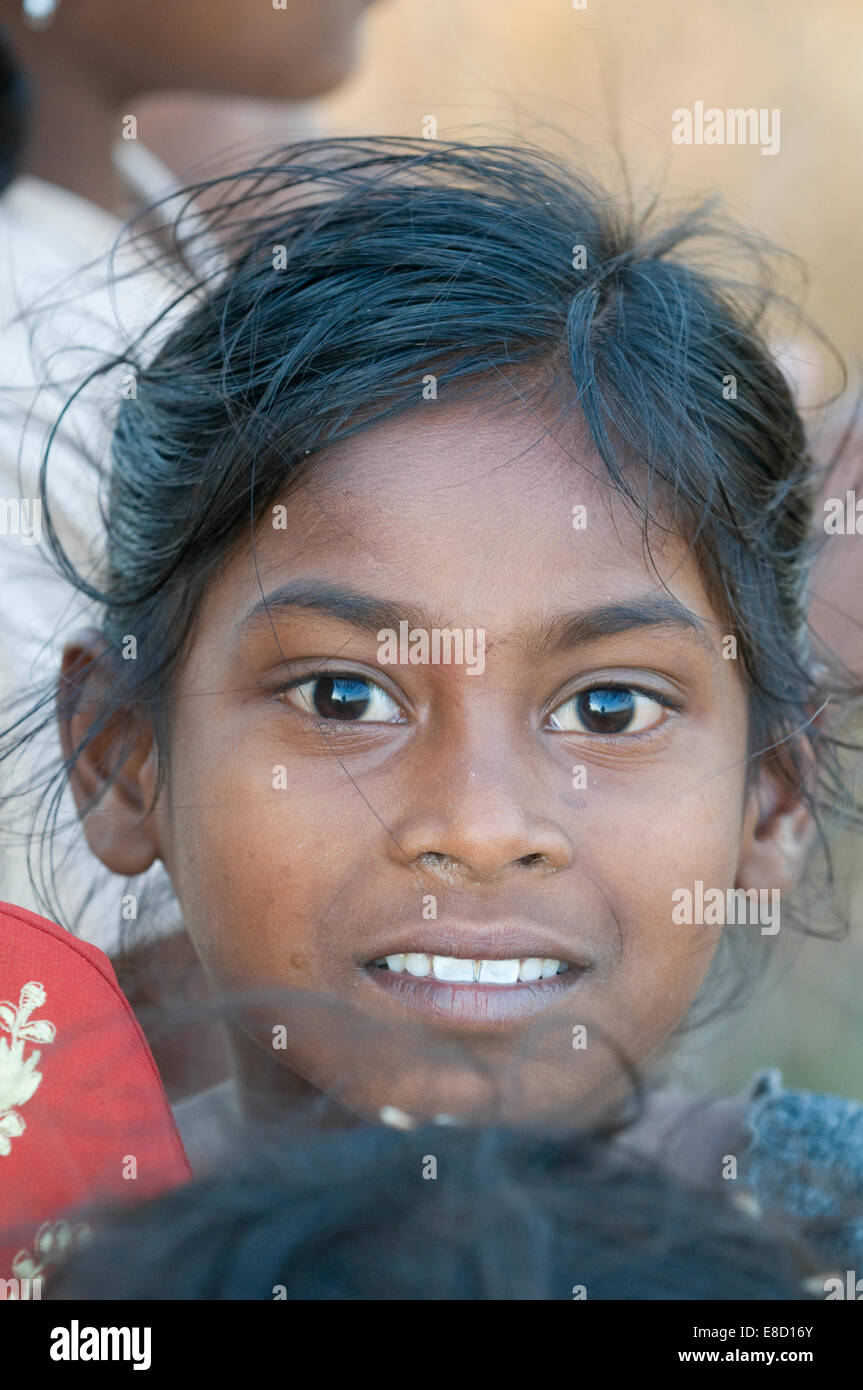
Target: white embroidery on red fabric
{"x":52,"y":1244}
{"x":19,"y":1078}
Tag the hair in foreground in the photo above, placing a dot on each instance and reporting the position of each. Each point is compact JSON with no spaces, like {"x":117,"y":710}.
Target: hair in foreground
{"x":334,"y":276}
{"x":440,"y":1213}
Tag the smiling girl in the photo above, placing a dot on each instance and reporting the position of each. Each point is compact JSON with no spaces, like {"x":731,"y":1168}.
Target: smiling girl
{"x":461,"y":389}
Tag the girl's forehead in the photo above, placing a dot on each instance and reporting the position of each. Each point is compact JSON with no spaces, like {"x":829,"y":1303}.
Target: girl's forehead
{"x":466,"y":509}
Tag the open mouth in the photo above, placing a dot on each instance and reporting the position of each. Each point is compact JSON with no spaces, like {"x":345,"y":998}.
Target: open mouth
{"x":472,"y":990}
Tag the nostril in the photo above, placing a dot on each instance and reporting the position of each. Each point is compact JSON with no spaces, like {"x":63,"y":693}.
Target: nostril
{"x":442,"y":866}
{"x":434,"y":862}
{"x":527,"y":861}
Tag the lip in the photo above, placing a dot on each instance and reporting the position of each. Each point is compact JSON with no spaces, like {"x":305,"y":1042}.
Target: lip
{"x":471,"y":1005}
{"x":466,"y":1005}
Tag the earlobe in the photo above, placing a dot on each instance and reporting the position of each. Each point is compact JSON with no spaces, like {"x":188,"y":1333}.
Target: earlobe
{"x":114,"y":772}
{"x":779,"y":831}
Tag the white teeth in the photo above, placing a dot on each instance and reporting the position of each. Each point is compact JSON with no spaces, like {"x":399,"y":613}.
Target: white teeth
{"x":459,"y":970}
{"x":498,"y":972}
{"x":417,"y":964}
{"x":451,"y":968}
{"x":531,"y":968}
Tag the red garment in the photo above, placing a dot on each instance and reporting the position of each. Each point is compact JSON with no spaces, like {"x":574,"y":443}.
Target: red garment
{"x":83,"y":1114}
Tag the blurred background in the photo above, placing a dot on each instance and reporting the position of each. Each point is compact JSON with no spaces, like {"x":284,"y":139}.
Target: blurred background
{"x":623,"y":66}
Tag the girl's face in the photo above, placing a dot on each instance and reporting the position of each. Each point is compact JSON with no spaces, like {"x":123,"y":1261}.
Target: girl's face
{"x":330,"y":805}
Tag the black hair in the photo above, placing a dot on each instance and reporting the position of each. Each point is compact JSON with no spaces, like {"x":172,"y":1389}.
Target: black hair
{"x":436,"y":1213}
{"x":333,"y":277}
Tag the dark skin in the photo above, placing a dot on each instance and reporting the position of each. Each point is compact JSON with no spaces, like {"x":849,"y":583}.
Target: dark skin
{"x":98,"y":56}
{"x":461,"y":787}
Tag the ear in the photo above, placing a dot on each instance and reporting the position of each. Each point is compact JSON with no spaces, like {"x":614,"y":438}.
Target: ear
{"x":778,"y":831}
{"x":113,"y":778}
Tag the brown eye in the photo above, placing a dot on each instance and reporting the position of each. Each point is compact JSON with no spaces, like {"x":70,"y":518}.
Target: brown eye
{"x":344,"y":699}
{"x":612,"y":709}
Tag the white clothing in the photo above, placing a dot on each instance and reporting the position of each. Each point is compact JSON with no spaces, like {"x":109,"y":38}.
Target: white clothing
{"x":57,"y":321}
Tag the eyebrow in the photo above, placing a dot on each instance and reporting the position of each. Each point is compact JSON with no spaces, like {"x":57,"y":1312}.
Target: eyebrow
{"x":362,"y":611}
{"x":561,"y":633}
{"x":570,"y":630}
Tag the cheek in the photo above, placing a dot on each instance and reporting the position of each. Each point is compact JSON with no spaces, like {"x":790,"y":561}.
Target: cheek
{"x":689,"y":836}
{"x":261,"y":859}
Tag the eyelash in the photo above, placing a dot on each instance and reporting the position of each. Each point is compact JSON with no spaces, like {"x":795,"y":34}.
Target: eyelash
{"x":622,"y":687}
{"x":340,"y":725}
{"x":349,"y":725}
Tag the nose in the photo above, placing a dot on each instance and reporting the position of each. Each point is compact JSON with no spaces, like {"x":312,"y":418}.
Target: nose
{"x":475,"y":826}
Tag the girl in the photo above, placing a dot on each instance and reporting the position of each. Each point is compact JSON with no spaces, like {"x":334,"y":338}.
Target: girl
{"x":455,"y":638}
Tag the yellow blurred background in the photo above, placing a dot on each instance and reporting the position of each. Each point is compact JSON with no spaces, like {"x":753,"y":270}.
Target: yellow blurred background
{"x":621,"y":67}
{"x":616,"y":70}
